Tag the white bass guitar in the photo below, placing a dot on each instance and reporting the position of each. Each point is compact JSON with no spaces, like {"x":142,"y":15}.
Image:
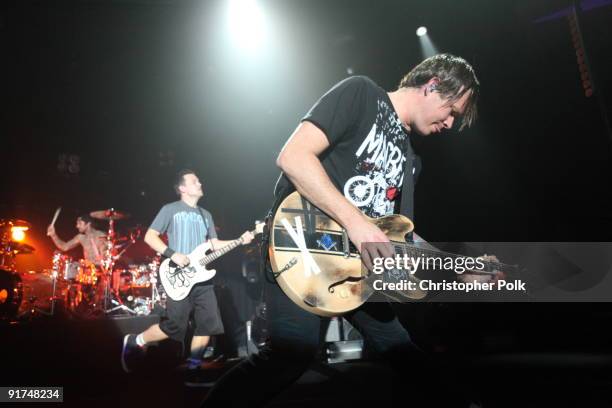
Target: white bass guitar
{"x":177,"y":281}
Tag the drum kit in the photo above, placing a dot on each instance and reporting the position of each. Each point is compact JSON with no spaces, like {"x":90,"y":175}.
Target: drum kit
{"x":77,"y":287}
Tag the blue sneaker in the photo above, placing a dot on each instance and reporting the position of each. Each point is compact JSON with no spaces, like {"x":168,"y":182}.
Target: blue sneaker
{"x":130,"y":353}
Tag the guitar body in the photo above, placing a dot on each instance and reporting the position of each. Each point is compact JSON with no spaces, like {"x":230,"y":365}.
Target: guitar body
{"x":177,"y":282}
{"x":340,"y":285}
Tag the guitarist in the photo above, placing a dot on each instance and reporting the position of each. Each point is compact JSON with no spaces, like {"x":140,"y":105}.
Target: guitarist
{"x":351,"y":155}
{"x":187,"y":226}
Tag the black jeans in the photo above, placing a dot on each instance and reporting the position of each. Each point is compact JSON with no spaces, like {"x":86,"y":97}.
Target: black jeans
{"x":294,"y":341}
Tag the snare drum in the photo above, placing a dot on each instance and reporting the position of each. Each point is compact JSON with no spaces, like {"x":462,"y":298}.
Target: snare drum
{"x":65,"y":267}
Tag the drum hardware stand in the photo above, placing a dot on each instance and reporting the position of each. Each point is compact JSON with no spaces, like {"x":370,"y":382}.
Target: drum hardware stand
{"x":119,"y":306}
{"x":53,"y":297}
{"x":108,"y":263}
{"x":111,"y":303}
{"x":118,"y":303}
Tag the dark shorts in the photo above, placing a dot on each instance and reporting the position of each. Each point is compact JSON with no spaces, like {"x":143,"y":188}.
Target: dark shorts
{"x":207,"y":319}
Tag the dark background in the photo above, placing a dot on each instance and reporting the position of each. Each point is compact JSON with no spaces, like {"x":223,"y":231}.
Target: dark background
{"x":140,"y":89}
{"x":123,"y":83}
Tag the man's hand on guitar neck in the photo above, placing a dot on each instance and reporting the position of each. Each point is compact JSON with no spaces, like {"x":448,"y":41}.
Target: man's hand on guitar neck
{"x":361,"y":232}
{"x":475,"y":276}
{"x":247,"y":237}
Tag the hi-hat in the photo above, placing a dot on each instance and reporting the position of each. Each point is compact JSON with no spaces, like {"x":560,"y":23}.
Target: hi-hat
{"x":19,"y":248}
{"x":110,"y":214}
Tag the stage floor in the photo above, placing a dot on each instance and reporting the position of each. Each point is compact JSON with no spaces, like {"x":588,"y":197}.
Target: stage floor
{"x":84,"y":358}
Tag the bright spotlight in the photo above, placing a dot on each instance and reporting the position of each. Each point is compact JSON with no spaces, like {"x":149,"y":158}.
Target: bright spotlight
{"x":246,"y":23}
{"x":18,"y":233}
{"x":428,"y":48}
{"x":421,"y":31}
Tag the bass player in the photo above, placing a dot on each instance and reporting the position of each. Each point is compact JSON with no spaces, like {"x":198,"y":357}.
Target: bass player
{"x":187,"y":225}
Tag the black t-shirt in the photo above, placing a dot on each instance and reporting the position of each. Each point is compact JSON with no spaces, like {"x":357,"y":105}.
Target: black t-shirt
{"x":369,"y":153}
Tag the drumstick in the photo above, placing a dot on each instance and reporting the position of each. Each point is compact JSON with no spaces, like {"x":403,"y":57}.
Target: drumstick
{"x":56,"y":215}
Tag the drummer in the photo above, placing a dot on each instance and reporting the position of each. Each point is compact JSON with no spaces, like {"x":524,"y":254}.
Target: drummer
{"x":92,"y":240}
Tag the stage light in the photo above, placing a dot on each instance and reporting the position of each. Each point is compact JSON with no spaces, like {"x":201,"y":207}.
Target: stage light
{"x":428,"y":47}
{"x":18,"y":233}
{"x":421,"y":31}
{"x":246,"y":23}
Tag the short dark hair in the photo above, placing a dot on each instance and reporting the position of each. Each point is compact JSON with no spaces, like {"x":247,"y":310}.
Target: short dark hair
{"x":456,"y":78}
{"x":86,"y":218}
{"x":180,"y":179}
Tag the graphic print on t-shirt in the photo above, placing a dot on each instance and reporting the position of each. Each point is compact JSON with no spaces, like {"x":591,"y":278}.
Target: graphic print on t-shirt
{"x":188,"y":230}
{"x":380,"y":165}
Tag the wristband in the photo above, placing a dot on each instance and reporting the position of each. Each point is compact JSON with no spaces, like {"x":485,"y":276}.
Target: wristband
{"x":168,"y":252}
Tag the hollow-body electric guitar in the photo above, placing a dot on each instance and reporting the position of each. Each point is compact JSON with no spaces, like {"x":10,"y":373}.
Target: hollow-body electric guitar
{"x":316,"y":265}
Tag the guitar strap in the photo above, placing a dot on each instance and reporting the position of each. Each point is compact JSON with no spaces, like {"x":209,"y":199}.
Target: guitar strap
{"x":411,"y":174}
{"x":205,"y":222}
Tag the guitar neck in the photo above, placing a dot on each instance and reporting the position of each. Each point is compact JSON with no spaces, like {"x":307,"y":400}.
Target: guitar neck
{"x":220,"y":252}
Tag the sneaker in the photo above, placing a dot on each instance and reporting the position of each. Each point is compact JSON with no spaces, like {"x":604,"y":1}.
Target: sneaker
{"x":209,"y":352}
{"x":193,"y":363}
{"x":130,"y":353}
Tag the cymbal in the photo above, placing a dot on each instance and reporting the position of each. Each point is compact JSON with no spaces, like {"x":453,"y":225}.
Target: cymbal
{"x":110,"y":214}
{"x":19,"y":248}
{"x":15,"y":223}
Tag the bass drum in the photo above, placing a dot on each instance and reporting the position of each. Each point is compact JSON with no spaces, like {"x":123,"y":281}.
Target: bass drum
{"x":39,"y":291}
{"x":11,"y":294}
